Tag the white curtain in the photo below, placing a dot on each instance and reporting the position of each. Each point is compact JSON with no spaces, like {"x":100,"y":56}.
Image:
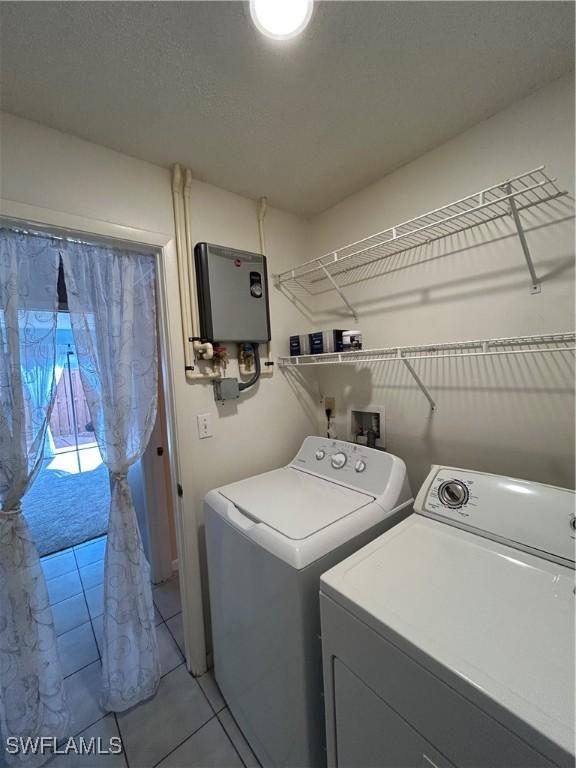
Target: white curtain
{"x":111,"y":299}
{"x":32,"y":701}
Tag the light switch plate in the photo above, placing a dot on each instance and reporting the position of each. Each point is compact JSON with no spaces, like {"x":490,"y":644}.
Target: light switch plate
{"x":204,"y":425}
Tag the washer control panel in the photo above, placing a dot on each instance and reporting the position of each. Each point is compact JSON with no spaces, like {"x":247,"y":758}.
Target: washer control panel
{"x":366,"y":469}
{"x":521,"y":513}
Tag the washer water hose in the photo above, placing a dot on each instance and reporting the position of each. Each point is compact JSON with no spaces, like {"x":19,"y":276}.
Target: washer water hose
{"x":250,"y":383}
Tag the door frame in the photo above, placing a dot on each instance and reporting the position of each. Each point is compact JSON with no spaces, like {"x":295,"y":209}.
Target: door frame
{"x":157,"y":500}
{"x":164,"y":246}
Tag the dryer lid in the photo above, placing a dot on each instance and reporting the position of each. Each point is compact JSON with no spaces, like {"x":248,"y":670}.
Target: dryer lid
{"x":294,"y":503}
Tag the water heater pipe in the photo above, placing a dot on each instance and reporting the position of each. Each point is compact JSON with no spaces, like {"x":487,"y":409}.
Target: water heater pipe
{"x":262,"y":208}
{"x":204,"y":350}
{"x":185,"y":309}
{"x":267,"y":370}
{"x":189,"y":327}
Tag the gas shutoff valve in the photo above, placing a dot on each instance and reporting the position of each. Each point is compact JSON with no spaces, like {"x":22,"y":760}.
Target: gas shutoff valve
{"x":221,"y":356}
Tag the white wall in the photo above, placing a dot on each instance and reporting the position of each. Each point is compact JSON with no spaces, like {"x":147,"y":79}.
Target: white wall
{"x":508,"y":415}
{"x":52,"y":170}
{"x":57,"y":172}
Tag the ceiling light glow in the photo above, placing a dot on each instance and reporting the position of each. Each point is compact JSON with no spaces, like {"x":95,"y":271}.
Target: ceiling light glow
{"x":281,"y":19}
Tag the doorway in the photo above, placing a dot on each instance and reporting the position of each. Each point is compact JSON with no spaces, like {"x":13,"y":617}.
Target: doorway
{"x":184,"y":527}
{"x":68,"y":503}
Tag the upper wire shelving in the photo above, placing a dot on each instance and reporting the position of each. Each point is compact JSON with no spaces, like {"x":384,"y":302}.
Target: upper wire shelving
{"x":512,"y":345}
{"x":507,"y":198}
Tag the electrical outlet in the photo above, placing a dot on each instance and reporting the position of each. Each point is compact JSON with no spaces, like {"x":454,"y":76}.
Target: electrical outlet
{"x":204,"y":425}
{"x":329,"y":404}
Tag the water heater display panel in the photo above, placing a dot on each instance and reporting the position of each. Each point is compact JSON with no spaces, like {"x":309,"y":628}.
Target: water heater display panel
{"x":232,"y":294}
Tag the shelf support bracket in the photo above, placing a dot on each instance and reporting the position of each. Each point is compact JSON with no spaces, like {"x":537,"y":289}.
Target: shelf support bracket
{"x":340,"y":292}
{"x":536,"y":287}
{"x":418,"y":381}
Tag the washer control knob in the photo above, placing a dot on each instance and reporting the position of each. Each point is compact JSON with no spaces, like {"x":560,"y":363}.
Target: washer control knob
{"x":339,"y":459}
{"x":573,"y":522}
{"x":320,"y":454}
{"x":453,"y":494}
{"x":360,"y":466}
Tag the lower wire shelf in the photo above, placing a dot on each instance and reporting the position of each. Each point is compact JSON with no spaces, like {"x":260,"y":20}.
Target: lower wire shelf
{"x":513,"y":345}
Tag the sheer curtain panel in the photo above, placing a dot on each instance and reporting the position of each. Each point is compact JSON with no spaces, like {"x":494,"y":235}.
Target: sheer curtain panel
{"x":111,"y":298}
{"x":32,"y":700}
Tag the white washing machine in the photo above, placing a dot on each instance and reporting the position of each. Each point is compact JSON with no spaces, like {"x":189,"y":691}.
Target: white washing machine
{"x":449,"y":640}
{"x":268,"y":540}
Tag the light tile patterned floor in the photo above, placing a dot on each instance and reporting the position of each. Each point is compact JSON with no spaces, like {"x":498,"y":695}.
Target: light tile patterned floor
{"x":186,"y":725}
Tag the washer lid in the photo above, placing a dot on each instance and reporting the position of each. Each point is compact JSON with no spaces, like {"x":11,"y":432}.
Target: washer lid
{"x":495,"y":620}
{"x":294,"y":503}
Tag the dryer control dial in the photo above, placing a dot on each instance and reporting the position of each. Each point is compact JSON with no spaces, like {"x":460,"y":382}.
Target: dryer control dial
{"x":360,"y":466}
{"x":453,"y":493}
{"x":320,"y":454}
{"x":338,"y":460}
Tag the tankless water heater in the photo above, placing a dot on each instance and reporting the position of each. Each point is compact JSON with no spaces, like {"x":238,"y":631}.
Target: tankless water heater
{"x":232,"y":294}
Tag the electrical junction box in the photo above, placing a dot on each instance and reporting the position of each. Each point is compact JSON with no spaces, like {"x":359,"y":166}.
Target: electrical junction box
{"x":232,"y":294}
{"x":226,"y":389}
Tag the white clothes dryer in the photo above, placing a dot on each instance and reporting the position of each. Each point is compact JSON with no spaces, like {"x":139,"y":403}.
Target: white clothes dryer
{"x":449,"y":640}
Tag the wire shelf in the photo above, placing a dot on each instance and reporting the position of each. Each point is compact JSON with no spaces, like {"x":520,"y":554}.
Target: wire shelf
{"x":506,"y":198}
{"x":514,"y":345}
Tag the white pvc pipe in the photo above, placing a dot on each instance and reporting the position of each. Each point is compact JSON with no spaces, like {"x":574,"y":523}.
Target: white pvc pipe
{"x":262,"y":208}
{"x":184,"y":306}
{"x":187,"y":188}
{"x":203,"y":350}
{"x":267,"y":370}
{"x":182,"y":231}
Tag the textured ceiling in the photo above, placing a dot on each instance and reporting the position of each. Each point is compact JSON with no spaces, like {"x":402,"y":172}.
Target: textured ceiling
{"x":368,"y":87}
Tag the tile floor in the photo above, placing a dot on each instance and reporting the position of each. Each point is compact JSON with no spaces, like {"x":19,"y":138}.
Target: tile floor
{"x":186,"y":725}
